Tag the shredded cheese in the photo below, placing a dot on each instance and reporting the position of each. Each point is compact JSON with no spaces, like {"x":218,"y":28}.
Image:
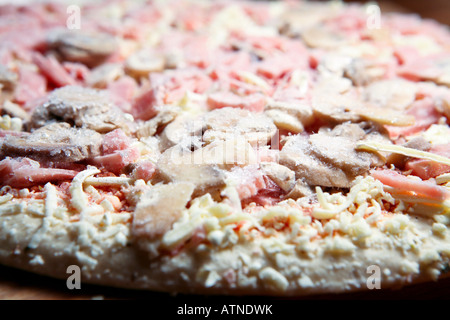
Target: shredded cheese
{"x":79,"y":199}
{"x":108,"y":181}
{"x":409,"y":152}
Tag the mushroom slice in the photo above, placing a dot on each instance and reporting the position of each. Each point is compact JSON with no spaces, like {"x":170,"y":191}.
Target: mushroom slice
{"x":81,"y":46}
{"x":281,"y":175}
{"x":329,"y":158}
{"x":219,"y":124}
{"x":143,"y":62}
{"x":322,"y":37}
{"x":229,"y":123}
{"x":15,"y":110}
{"x":180,"y":165}
{"x":301,"y":189}
{"x":83,"y":107}
{"x":181,"y":128}
{"x":150,"y":127}
{"x":104,"y":74}
{"x":285,"y":121}
{"x":292,"y":116}
{"x":395,"y":94}
{"x":158,"y":210}
{"x":55,"y":142}
{"x":205,"y":167}
{"x":8,"y":79}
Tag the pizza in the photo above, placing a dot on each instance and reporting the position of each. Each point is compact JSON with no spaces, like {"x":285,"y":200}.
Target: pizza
{"x":284,"y":148}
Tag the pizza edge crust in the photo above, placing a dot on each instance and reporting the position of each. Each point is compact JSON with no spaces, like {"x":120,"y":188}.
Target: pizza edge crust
{"x":242,"y":269}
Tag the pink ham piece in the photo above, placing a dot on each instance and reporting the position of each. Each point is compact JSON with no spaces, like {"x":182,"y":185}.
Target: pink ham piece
{"x":117,"y":152}
{"x":122,"y":92}
{"x":402,"y":183}
{"x":24,"y":172}
{"x":144,"y":170}
{"x":253,"y":102}
{"x":268,"y":195}
{"x":427,"y":169}
{"x":425,"y":114}
{"x":31,"y":86}
{"x":53,"y":70}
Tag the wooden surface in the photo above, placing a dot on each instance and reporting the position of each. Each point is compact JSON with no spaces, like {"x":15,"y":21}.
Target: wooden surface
{"x":20,"y":285}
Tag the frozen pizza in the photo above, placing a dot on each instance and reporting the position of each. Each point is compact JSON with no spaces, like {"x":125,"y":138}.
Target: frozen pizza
{"x":281,"y":148}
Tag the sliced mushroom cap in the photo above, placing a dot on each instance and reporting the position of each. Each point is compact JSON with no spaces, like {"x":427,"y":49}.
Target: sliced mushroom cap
{"x":104,"y":74}
{"x":229,"y":123}
{"x":395,"y":94}
{"x":165,"y":115}
{"x":55,"y":142}
{"x":15,"y":110}
{"x":220,"y":124}
{"x":82,"y":107}
{"x":179,"y":165}
{"x":295,"y":155}
{"x":291,"y":116}
{"x":159,"y":209}
{"x":182,"y":127}
{"x":80,"y":46}
{"x":205,"y":167}
{"x":281,"y":175}
{"x":143,"y":62}
{"x":322,"y":37}
{"x":329,"y":158}
{"x":8,"y":78}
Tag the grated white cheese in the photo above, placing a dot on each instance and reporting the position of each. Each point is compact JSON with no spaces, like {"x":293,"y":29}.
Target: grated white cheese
{"x":409,"y":152}
{"x":273,"y":278}
{"x":79,"y":199}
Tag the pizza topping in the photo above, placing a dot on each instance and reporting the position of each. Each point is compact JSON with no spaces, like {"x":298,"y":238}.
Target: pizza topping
{"x":8,"y":79}
{"x":53,"y":70}
{"x":82,"y":107}
{"x":15,"y":110}
{"x":141,"y":63}
{"x":220,"y":124}
{"x":409,"y":152}
{"x":104,"y":74}
{"x":158,"y":211}
{"x":85,"y":47}
{"x":230,"y":123}
{"x":24,"y":172}
{"x":328,"y":158}
{"x":394,"y":94}
{"x":400,"y":182}
{"x":56,"y":142}
{"x":79,"y":199}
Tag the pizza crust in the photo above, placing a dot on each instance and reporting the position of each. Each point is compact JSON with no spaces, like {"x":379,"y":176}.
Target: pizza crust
{"x":263,"y":266}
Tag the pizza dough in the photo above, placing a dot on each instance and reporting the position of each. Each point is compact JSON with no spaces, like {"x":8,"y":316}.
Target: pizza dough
{"x":229,"y":148}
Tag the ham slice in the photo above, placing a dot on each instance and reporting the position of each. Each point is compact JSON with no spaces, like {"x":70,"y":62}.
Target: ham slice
{"x":425,"y":114}
{"x":117,"y":152}
{"x":24,"y":172}
{"x":53,"y":70}
{"x":427,"y":169}
{"x":31,"y":86}
{"x":398,"y":181}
